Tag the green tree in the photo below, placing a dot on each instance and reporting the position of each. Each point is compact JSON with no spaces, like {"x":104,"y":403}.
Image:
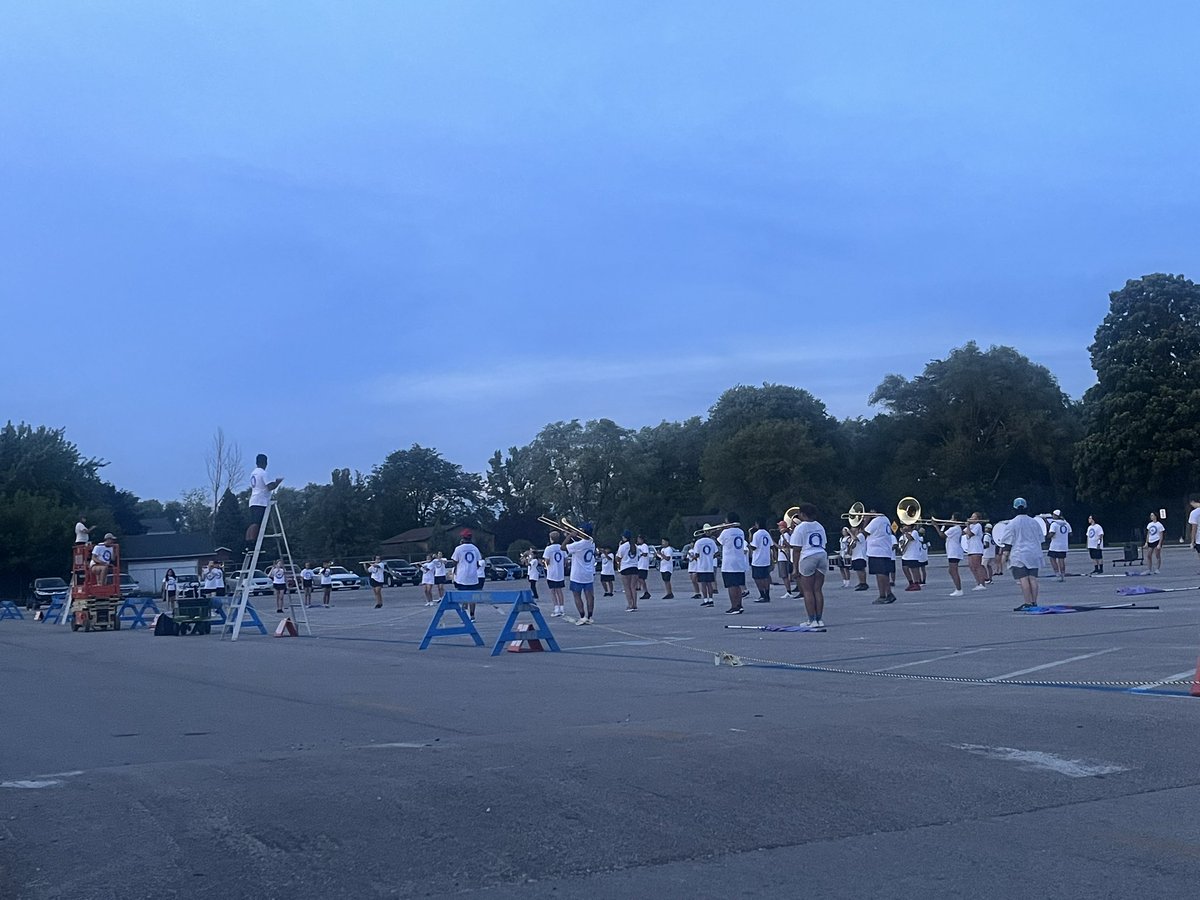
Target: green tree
{"x":973,"y":431}
{"x":416,"y":487}
{"x":229,"y":524}
{"x":1142,"y":417}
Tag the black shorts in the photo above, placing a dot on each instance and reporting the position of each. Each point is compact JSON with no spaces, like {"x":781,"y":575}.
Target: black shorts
{"x":1094,"y":553}
{"x":632,"y":573}
{"x":308,"y":584}
{"x":955,"y":560}
{"x":666,"y":577}
{"x":858,"y":564}
{"x":706,"y":577}
{"x":881,"y":565}
{"x":1197,"y":546}
{"x":477,"y":586}
{"x":256,"y":514}
{"x":733,"y":579}
{"x":1057,"y":554}
{"x":555,"y":585}
{"x":1019,"y":572}
{"x":643,"y":574}
{"x":1153,"y":545}
{"x":376,"y":584}
{"x":440,"y":579}
{"x":607,"y":579}
{"x":760,"y":573}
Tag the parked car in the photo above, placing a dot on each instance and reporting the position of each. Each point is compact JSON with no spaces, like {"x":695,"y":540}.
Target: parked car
{"x":44,"y":590}
{"x":129,"y":586}
{"x":344,"y":578}
{"x":501,"y":568}
{"x":400,"y":571}
{"x":259,"y":584}
{"x":188,"y":584}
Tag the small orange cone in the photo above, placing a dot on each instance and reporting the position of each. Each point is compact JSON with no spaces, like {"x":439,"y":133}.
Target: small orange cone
{"x":286,"y":628}
{"x":1195,"y":687}
{"x":525,"y":646}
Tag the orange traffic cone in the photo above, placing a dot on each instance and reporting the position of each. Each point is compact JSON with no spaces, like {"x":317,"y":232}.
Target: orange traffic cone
{"x":1195,"y":687}
{"x":286,"y":628}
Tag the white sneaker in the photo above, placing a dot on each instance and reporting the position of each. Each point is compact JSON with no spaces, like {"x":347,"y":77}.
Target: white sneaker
{"x":590,"y":620}
{"x":979,"y":587}
{"x":956,"y":593}
{"x":819,"y":623}
{"x":582,"y":621}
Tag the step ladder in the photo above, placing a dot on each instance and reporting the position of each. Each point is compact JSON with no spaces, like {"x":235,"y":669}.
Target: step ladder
{"x":245,"y":576}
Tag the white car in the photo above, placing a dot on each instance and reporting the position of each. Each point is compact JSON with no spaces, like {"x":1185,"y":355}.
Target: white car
{"x":342,"y":578}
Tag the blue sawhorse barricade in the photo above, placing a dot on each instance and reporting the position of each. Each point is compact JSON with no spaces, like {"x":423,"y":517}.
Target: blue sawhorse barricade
{"x":53,"y":612}
{"x":250,"y":618}
{"x":134,"y":615}
{"x":10,"y":610}
{"x":522,"y":602}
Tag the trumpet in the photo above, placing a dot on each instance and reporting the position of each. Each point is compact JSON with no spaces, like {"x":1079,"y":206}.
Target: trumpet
{"x":908,"y":511}
{"x":566,"y":528}
{"x":857,"y":513}
{"x":709,"y":530}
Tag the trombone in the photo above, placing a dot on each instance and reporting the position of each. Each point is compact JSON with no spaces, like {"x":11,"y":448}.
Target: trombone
{"x":857,"y":513}
{"x":710,"y":530}
{"x":571,"y":531}
{"x":908,"y":511}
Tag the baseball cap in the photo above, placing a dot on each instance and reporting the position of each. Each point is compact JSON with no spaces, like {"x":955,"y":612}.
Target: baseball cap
{"x":1019,"y":503}
{"x":110,"y":537}
{"x":466,"y":532}
{"x":1057,"y":512}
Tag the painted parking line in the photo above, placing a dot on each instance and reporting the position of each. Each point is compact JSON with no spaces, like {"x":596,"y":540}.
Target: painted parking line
{"x":1178,"y":676}
{"x":921,"y":662}
{"x":1051,"y":665}
{"x":1034,"y":760}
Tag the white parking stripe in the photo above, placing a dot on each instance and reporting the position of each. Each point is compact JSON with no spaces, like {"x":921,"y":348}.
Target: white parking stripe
{"x":1186,"y":673}
{"x":921,"y":662}
{"x":1039,"y":759}
{"x":1051,"y":665}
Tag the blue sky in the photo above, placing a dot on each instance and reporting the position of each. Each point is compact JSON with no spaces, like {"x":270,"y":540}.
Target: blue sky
{"x":450,"y":223}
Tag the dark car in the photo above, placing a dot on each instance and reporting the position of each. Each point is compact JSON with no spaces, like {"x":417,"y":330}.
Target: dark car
{"x":400,"y":571}
{"x":501,"y":568}
{"x":44,"y":590}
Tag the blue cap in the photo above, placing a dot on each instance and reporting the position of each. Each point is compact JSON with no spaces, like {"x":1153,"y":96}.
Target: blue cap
{"x":586,"y":527}
{"x":626,"y":533}
{"x":1019,"y":503}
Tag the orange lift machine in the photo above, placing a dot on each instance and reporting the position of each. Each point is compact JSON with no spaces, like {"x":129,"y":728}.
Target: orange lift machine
{"x":94,"y":605}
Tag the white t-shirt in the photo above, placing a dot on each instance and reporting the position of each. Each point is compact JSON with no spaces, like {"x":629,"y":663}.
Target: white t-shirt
{"x":607,"y":565}
{"x":760,"y":548}
{"x":844,"y":546}
{"x":102,"y":553}
{"x":666,"y":558}
{"x":989,"y":546}
{"x":1095,"y":537}
{"x":306,"y":574}
{"x":427,"y":576}
{"x":809,"y":538}
{"x":1060,"y":535}
{"x":375,"y":570}
{"x":326,"y":575}
{"x":533,"y":571}
{"x":556,"y":559}
{"x":912,"y":548}
{"x":923,"y":549}
{"x":706,"y":554}
{"x":643,"y":556}
{"x":785,"y":548}
{"x":1154,"y":532}
{"x":583,"y":561}
{"x":81,"y":533}
{"x":879,"y":537}
{"x":627,"y":556}
{"x":733,"y":550}
{"x":859,"y":548}
{"x":1026,"y":537}
{"x":973,"y":538}
{"x":279,"y":576}
{"x":260,"y":494}
{"x":439,"y":568}
{"x":214,"y":579}
{"x":1194,"y":519}
{"x":954,"y":546}
{"x":466,"y":564}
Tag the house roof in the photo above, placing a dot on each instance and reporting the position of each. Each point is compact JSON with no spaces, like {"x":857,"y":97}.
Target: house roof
{"x":416,"y":535}
{"x":158,"y":525}
{"x":167,"y":546}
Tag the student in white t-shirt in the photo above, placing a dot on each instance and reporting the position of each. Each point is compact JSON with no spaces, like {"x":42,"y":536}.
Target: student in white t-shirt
{"x":1095,"y":544}
{"x":533,"y":570}
{"x":689,"y":556}
{"x":583,"y":574}
{"x":989,"y":553}
{"x":811,"y":556}
{"x":427,"y":578}
{"x":734,"y":563}
{"x":1153,"y":545}
{"x":377,"y":577}
{"x":608,"y":570}
{"x":1026,"y":537}
{"x":440,"y":578}
{"x":843,"y":557}
{"x":881,"y":558}
{"x":666,"y":566}
{"x":555,"y":559}
{"x":1058,"y":530}
{"x":644,"y":554}
{"x":910,"y":554}
{"x":326,"y":576}
{"x":1194,"y":523}
{"x":260,"y":495}
{"x":465,"y":561}
{"x":858,"y":557}
{"x":81,"y":530}
{"x":954,"y":552}
{"x":306,"y":579}
{"x":783,"y":557}
{"x":705,"y":551}
{"x":761,"y":546}
{"x":627,"y":566}
{"x":972,"y":540}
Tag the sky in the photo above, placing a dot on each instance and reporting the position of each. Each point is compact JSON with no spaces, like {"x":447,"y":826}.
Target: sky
{"x":338,"y":229}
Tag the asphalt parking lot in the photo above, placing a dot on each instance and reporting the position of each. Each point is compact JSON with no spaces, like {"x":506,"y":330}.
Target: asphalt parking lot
{"x":898,"y":754}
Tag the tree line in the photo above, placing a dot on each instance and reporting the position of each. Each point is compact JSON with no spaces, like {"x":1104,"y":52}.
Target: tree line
{"x":969,"y":433}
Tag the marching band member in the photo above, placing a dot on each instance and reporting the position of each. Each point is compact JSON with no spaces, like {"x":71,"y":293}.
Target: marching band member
{"x":922,"y":556}
{"x":555,"y":558}
{"x":439,"y":574}
{"x":533,"y":571}
{"x":843,"y":559}
{"x":627,"y":566}
{"x":583,"y":574}
{"x":953,"y":536}
{"x":427,"y":579}
{"x":734,"y":563}
{"x":1153,"y":545}
{"x":811,"y":558}
{"x":858,"y":557}
{"x":784,"y":558}
{"x":972,"y":540}
{"x":643,"y":561}
{"x":689,"y":553}
{"x":666,"y":566}
{"x":761,"y":546}
{"x":1002,"y":545}
{"x":881,"y":561}
{"x":706,"y":564}
{"x":465,"y":561}
{"x":989,"y":553}
{"x":1027,"y":537}
{"x":607,"y":571}
{"x":1095,"y":543}
{"x":1059,"y":531}
{"x":910,"y":555}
